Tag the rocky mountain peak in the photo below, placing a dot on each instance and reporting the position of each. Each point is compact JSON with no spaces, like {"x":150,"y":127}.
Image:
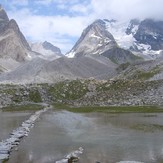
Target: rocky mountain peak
{"x":13,"y":44}
{"x":13,"y":25}
{"x":94,"y":40}
{"x":3,"y":15}
{"x":3,"y":18}
{"x":49,"y":46}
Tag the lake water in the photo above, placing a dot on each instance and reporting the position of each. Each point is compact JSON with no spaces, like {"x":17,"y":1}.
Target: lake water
{"x":107,"y":138}
{"x":10,"y":121}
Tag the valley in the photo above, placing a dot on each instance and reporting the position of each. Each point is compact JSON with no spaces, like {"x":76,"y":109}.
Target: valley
{"x":100,"y":102}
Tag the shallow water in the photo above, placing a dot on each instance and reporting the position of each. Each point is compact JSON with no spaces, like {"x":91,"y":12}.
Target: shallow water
{"x":107,"y":138}
{"x":10,"y":121}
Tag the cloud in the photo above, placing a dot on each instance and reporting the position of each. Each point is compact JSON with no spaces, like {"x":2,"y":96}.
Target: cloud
{"x":83,"y":8}
{"x":18,"y":2}
{"x":62,"y":21}
{"x":43,"y":2}
{"x":128,"y":9}
{"x":60,"y":30}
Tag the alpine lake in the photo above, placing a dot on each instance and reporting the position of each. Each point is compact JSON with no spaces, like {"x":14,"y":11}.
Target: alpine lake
{"x":105,"y":136}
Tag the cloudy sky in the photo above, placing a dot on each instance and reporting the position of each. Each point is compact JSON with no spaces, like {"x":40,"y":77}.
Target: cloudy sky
{"x":62,"y":21}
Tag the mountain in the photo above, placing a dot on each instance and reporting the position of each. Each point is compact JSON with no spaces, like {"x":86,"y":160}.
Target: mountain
{"x":14,"y":49}
{"x":46,"y":50}
{"x":143,"y":38}
{"x":94,"y":39}
{"x":39,"y":70}
{"x":12,"y":42}
{"x":97,"y":39}
{"x":150,"y":32}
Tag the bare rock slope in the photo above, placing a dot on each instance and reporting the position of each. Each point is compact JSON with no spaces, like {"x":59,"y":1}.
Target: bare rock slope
{"x":42,"y":71}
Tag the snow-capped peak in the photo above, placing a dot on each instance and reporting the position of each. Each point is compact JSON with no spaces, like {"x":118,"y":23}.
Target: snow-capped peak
{"x":95,"y":39}
{"x":118,"y":30}
{"x":124,"y":33}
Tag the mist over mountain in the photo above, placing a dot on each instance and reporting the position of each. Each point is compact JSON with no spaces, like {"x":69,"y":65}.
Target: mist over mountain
{"x":46,"y":50}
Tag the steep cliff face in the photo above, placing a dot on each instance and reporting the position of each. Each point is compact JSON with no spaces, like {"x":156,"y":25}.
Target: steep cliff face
{"x":95,"y":39}
{"x":12,"y":42}
{"x":150,"y":32}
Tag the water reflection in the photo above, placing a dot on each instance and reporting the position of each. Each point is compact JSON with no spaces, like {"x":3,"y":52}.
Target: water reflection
{"x":10,"y":121}
{"x":106,"y":138}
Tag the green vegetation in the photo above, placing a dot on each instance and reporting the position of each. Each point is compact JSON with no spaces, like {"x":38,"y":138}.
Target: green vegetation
{"x":34,"y":96}
{"x":110,"y":109}
{"x":29,"y":107}
{"x":145,"y":75}
{"x":61,"y":106}
{"x":68,"y":90}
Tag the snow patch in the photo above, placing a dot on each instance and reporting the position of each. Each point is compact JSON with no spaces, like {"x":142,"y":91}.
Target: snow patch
{"x":118,"y":30}
{"x":71,"y":54}
{"x":93,"y":35}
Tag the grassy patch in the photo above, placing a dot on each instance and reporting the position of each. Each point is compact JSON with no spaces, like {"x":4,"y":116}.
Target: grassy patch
{"x":34,"y":96}
{"x":145,"y":75}
{"x":112,"y":109}
{"x":22,"y":107}
{"x":68,"y":90}
{"x":61,"y":106}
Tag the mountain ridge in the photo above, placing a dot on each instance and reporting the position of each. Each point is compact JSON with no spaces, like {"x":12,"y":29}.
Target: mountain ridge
{"x":96,"y":39}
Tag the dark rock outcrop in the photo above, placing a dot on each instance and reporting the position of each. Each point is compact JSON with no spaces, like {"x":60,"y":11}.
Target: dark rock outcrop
{"x":150,"y":32}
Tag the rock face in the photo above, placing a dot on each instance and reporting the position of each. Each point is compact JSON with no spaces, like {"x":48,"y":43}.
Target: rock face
{"x":120,"y":56}
{"x":46,"y":50}
{"x":150,"y":33}
{"x":143,"y":38}
{"x":97,"y":39}
{"x":3,"y":18}
{"x":12,"y":42}
{"x":49,"y":46}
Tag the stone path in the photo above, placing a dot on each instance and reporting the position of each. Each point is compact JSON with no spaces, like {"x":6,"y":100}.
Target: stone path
{"x":15,"y":137}
{"x":72,"y":157}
